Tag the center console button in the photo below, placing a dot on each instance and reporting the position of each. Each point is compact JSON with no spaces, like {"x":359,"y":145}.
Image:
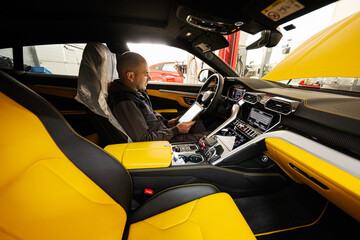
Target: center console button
{"x":193,"y":147}
{"x":176,"y":148}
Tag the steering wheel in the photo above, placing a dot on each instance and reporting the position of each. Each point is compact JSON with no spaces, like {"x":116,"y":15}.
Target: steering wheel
{"x":210,"y":93}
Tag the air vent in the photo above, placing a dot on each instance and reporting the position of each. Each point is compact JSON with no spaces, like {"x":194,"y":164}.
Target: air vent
{"x":250,"y":98}
{"x":278,"y":106}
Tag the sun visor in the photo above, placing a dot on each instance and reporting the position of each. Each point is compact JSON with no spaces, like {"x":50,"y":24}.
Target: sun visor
{"x":210,"y":42}
{"x":333,"y":52}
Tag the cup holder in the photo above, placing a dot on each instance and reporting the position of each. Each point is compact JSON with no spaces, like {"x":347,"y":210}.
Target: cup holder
{"x":196,"y":158}
{"x":193,"y":158}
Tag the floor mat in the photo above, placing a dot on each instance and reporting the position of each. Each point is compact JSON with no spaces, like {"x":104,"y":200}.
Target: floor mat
{"x":334,"y":224}
{"x":293,"y":206}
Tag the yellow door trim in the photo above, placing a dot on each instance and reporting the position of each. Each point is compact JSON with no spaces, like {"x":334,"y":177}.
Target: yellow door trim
{"x":172,"y":96}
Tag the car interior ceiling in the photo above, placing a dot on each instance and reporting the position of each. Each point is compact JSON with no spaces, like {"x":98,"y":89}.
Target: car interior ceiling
{"x":159,"y":23}
{"x":274,"y":204}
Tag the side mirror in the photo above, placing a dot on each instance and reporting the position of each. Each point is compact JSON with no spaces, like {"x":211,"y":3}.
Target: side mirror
{"x":204,"y":74}
{"x":268,"y":38}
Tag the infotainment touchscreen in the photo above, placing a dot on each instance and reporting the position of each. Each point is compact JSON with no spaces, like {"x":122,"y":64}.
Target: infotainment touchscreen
{"x":260,"y":119}
{"x":191,"y":113}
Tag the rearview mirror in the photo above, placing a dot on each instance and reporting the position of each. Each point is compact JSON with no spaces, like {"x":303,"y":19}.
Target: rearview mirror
{"x":204,"y":74}
{"x":268,"y":38}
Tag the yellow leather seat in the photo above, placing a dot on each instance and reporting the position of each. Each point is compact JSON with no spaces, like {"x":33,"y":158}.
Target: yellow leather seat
{"x":56,"y":185}
{"x":211,"y":217}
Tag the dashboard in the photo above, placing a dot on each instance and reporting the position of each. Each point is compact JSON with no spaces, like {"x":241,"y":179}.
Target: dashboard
{"x":252,"y":120}
{"x":312,"y":136}
{"x":259,"y":107}
{"x":236,"y":92}
{"x":260,"y":112}
{"x":254,"y":108}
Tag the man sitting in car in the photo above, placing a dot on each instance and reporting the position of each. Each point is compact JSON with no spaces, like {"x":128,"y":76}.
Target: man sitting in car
{"x":132,"y":107}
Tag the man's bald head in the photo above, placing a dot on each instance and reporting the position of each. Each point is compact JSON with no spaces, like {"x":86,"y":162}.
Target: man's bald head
{"x":129,"y":62}
{"x":133,"y":71}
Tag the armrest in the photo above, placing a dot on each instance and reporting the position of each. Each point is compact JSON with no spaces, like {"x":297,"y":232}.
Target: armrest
{"x":156,"y":154}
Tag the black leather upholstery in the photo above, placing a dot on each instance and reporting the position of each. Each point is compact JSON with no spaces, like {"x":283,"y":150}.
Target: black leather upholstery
{"x":171,"y":198}
{"x":100,"y":167}
{"x":108,"y":134}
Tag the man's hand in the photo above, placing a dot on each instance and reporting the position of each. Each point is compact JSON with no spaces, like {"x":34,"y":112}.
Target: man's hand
{"x":172,"y":122}
{"x":184,"y":127}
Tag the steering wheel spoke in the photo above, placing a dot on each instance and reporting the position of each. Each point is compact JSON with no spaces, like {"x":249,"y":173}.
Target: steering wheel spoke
{"x":210,"y":93}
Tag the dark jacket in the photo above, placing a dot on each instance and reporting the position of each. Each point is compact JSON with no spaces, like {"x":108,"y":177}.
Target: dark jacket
{"x":134,"y":112}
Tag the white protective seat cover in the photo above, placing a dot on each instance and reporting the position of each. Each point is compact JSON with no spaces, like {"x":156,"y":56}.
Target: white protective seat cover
{"x":97,"y":70}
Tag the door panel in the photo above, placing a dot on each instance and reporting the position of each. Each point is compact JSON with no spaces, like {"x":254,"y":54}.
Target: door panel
{"x":60,"y":91}
{"x":172,"y":99}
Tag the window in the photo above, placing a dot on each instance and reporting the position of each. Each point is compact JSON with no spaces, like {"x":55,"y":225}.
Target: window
{"x":61,"y":59}
{"x":170,"y":67}
{"x":166,"y":64}
{"x":158,"y":67}
{"x":169,"y":64}
{"x":6,"y":58}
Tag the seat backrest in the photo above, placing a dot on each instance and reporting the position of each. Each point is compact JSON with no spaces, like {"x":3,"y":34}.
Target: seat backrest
{"x":54,"y":184}
{"x":107,"y":133}
{"x":97,"y":70}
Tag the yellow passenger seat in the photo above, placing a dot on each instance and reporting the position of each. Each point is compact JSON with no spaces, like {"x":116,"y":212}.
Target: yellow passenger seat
{"x":56,"y":185}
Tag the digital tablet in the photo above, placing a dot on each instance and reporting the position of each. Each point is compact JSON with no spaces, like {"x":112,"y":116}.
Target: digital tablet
{"x":191,"y":113}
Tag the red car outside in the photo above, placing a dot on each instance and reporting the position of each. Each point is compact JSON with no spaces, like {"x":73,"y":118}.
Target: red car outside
{"x":167,"y":72}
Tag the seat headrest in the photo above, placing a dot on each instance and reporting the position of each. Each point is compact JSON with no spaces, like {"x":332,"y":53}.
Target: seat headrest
{"x":97,"y":71}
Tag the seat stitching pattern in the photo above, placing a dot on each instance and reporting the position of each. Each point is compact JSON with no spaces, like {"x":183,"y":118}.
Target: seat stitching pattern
{"x":185,"y":220}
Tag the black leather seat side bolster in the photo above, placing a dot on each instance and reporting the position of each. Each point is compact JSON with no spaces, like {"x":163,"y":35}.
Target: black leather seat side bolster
{"x":99,"y":166}
{"x":107,"y":133}
{"x":171,"y":198}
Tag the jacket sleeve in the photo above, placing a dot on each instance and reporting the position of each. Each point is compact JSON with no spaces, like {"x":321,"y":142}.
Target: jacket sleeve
{"x":132,"y":120}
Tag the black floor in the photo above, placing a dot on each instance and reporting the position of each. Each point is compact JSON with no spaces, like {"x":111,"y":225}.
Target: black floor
{"x":334,"y":224}
{"x":300,"y":211}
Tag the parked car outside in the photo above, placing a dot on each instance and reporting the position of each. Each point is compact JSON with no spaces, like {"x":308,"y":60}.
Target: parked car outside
{"x":167,"y":72}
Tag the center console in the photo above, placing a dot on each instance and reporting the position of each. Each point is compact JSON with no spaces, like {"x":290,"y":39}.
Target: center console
{"x":245,"y":123}
{"x":186,"y":153}
{"x":239,"y":137}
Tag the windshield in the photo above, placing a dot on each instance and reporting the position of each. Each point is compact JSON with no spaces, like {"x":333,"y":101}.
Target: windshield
{"x":259,"y":62}
{"x":169,"y":64}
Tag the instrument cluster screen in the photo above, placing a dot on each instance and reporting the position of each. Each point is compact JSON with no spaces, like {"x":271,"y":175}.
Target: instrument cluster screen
{"x":260,"y":119}
{"x":237,"y":93}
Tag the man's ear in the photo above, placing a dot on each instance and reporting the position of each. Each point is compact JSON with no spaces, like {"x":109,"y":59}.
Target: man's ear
{"x":130,"y":76}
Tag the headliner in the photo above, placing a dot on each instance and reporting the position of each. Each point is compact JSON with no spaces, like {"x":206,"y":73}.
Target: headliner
{"x":42,"y":22}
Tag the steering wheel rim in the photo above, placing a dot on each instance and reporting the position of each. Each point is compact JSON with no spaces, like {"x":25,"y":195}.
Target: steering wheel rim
{"x":211,"y":97}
